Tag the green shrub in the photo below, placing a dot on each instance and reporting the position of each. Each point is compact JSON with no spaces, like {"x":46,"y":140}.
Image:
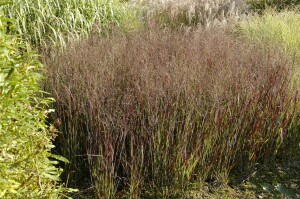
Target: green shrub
{"x":25,"y":140}
{"x":58,"y":21}
{"x":145,"y":114}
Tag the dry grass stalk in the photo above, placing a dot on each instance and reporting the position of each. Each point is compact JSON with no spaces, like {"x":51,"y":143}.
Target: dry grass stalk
{"x":193,"y":12}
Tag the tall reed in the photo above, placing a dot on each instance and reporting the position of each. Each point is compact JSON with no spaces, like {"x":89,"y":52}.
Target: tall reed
{"x":147,"y":113}
{"x":56,"y":22}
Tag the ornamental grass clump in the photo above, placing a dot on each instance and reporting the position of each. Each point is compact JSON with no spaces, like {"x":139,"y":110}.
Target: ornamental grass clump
{"x":147,"y":114}
{"x":179,"y":13}
{"x":57,"y":22}
{"x":280,"y":29}
{"x":27,"y":167}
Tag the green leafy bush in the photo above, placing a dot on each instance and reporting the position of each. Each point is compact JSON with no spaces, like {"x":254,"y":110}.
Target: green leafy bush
{"x":27,"y":168}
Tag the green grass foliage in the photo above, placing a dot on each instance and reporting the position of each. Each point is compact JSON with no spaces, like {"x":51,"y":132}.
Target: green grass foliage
{"x":281,"y":29}
{"x":41,"y":21}
{"x":260,"y":5}
{"x":25,"y":141}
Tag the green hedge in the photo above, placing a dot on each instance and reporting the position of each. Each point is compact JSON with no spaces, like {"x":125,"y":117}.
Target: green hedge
{"x":27,"y":168}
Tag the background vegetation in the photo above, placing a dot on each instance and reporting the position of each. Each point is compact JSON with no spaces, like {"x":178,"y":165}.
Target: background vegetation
{"x":176,"y":13}
{"x":278,"y":28}
{"x":154,"y":99}
{"x":260,"y":5}
{"x":56,"y":22}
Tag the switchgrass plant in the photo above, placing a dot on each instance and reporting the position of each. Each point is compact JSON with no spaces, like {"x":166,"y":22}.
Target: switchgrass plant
{"x":57,"y":22}
{"x":147,"y":113}
{"x":27,"y":168}
{"x":281,"y":29}
{"x":176,"y":13}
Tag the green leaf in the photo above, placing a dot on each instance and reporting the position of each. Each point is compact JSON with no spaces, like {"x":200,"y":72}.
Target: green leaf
{"x":2,"y":193}
{"x":52,"y":177}
{"x":283,"y":190}
{"x":9,"y":73}
{"x":58,"y":157}
{"x":5,"y":2}
{"x":267,"y":187}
